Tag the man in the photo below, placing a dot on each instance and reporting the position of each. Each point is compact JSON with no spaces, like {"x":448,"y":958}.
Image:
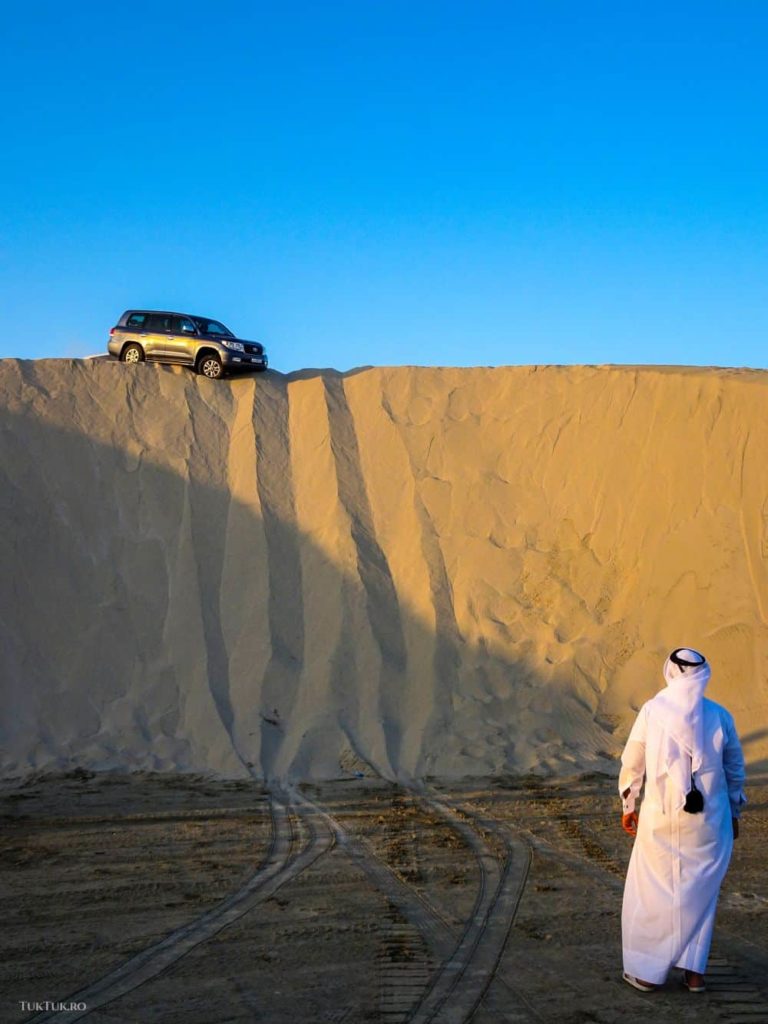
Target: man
{"x":686,"y":750}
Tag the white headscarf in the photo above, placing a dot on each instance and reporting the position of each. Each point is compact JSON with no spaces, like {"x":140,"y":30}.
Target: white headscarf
{"x":677,"y":712}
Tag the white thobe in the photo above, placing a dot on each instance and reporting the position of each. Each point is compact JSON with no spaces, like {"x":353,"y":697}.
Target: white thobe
{"x":679,"y":859}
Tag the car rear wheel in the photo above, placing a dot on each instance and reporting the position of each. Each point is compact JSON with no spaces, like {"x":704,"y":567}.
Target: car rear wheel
{"x":132,"y":354}
{"x":210,"y":366}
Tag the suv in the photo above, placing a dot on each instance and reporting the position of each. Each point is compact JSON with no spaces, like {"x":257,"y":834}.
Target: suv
{"x":195,"y":341}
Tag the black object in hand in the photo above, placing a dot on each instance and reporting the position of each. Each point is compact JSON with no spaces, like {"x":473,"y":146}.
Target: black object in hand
{"x":694,"y":801}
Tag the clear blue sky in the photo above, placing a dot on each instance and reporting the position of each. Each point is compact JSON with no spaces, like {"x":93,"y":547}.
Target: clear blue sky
{"x":382,"y":181}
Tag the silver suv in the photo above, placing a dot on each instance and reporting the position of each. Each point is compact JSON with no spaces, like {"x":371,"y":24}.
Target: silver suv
{"x":197,"y":341}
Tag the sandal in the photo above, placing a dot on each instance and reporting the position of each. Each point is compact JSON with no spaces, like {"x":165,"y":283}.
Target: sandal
{"x":700,"y":987}
{"x":641,"y":986}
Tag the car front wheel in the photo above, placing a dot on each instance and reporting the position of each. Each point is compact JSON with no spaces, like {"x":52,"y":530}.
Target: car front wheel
{"x":210,"y":366}
{"x":132,"y":354}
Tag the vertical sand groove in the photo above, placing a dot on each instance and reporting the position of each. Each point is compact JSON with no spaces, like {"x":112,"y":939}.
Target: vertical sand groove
{"x":338,"y":699}
{"x":285,"y":609}
{"x":383,"y":606}
{"x":372,"y":566}
{"x":446,"y":658}
{"x":209,"y":502}
{"x":437,"y":702}
{"x":244,"y":597}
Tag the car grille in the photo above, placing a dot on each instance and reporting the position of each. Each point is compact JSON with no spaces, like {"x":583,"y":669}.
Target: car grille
{"x":254,"y":350}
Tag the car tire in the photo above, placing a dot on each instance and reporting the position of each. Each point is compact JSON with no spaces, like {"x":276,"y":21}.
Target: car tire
{"x":132,"y":354}
{"x":210,"y":366}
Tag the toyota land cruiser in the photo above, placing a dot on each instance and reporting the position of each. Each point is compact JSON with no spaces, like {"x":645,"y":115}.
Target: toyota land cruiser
{"x":196,"y":341}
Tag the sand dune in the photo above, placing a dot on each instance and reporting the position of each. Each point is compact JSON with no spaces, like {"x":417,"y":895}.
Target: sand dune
{"x":407,"y":571}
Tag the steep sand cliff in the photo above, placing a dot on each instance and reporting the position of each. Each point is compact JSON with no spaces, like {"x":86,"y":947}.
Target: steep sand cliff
{"x":426,"y":571}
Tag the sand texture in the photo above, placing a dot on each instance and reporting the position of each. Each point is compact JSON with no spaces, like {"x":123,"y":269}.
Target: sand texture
{"x":402,"y":571}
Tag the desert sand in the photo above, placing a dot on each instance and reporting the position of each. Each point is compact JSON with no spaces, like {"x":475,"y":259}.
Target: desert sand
{"x":314,"y":686}
{"x":405,"y":572}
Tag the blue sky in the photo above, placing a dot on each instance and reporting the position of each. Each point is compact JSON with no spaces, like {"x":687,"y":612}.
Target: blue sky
{"x":391,"y":182}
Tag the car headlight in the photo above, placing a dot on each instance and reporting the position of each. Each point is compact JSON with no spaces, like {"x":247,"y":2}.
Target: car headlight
{"x":236,"y":346}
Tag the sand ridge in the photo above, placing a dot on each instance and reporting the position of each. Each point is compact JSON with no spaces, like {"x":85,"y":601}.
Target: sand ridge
{"x":407,"y":571}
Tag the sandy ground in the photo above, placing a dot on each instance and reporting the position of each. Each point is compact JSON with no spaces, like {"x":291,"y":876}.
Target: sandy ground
{"x":523,"y":876}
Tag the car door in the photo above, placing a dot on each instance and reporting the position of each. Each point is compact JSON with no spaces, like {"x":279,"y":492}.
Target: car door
{"x":182,"y":340}
{"x":157,"y":338}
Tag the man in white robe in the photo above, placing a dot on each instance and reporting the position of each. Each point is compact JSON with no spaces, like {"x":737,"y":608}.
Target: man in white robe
{"x":681,"y":742}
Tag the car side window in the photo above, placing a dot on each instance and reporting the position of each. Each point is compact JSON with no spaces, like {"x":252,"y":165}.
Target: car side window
{"x":159,"y":323}
{"x":136,"y":320}
{"x":214,"y":327}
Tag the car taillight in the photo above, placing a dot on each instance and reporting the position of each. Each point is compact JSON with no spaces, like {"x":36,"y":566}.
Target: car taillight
{"x":112,"y":331}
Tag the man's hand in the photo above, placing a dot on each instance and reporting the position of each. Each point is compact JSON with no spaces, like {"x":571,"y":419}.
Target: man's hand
{"x":735,"y":823}
{"x":629,"y":822}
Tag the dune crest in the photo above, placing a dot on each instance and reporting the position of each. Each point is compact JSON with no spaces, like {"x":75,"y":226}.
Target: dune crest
{"x":410,"y":571}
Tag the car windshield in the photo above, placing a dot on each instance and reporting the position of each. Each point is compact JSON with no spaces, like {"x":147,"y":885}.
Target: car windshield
{"x":213,"y":327}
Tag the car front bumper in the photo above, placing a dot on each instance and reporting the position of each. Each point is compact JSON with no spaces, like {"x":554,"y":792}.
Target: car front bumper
{"x":243,"y":361}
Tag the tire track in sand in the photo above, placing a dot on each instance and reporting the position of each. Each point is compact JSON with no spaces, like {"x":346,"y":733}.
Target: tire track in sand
{"x":465,"y":977}
{"x":281,"y":864}
{"x":470,"y":960}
